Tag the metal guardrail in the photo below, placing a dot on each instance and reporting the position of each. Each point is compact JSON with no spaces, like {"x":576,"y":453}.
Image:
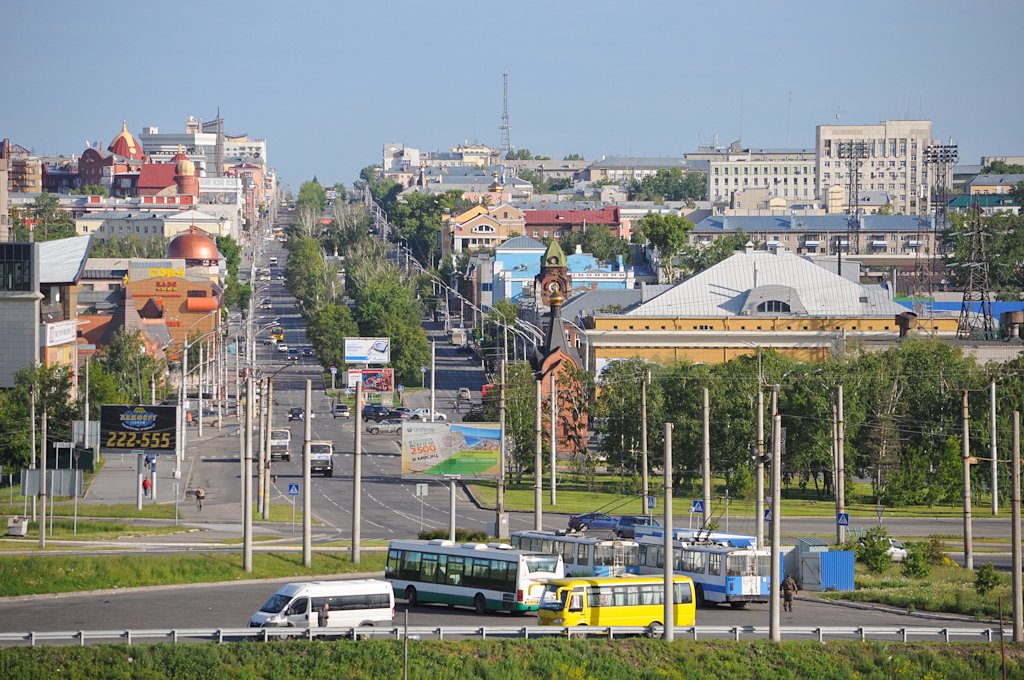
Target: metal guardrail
{"x":222,"y":635}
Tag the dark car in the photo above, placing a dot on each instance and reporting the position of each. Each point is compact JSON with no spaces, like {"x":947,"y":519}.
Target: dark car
{"x":375,"y":413}
{"x":598,"y":521}
{"x":293,"y":355}
{"x":307,"y":351}
{"x":402,"y":413}
{"x":296,"y":413}
{"x":627,"y":524}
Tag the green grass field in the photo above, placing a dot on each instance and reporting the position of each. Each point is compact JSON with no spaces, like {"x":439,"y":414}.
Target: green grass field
{"x":546,"y":659}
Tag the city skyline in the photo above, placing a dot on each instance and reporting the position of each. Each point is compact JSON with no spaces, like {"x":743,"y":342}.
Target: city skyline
{"x":327,"y":87}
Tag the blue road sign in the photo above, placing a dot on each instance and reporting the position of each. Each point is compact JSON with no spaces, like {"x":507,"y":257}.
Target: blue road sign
{"x":651,"y":502}
{"x":767,"y":515}
{"x":697,"y":506}
{"x":293,"y":489}
{"x":843,"y":519}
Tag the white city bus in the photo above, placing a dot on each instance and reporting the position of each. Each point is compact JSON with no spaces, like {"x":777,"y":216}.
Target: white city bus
{"x":583,"y":555}
{"x":487,"y":577}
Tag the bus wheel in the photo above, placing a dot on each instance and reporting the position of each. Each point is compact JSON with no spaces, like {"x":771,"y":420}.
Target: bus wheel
{"x":480,"y":604}
{"x":366,"y":636}
{"x":700,"y":596}
{"x":738,"y":605}
{"x":654,"y":630}
{"x":410,"y":596}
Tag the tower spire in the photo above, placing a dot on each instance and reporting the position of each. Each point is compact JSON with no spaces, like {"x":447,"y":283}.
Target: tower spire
{"x":506,"y":144}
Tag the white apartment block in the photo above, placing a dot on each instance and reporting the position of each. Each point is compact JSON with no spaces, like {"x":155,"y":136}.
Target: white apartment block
{"x":894,"y":162}
{"x":785,"y":173}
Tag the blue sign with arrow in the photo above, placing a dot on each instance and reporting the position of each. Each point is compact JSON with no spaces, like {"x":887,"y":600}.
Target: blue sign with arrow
{"x":293,"y":489}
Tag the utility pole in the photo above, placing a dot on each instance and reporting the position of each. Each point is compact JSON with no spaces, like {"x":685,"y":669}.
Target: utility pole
{"x":433,"y":364}
{"x":500,"y":520}
{"x":968,"y":523}
{"x":669,"y":580}
{"x":357,"y":479}
{"x":554,"y":436}
{"x":152,"y":387}
{"x":42,"y":480}
{"x":32,"y":442}
{"x":538,"y":461}
{"x":199,"y":390}
{"x":307,"y":492}
{"x":268,"y":461}
{"x":644,"y":481}
{"x":759,"y":481}
{"x":261,"y":415}
{"x":835,"y":463}
{"x":992,"y":447}
{"x":706,"y":466}
{"x":776,"y":526}
{"x":247,"y":480}
{"x":841,"y":453}
{"x":1018,"y":613}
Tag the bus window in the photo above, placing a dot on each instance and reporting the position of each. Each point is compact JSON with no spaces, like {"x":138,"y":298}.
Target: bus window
{"x":576,"y":601}
{"x":516,"y":540}
{"x":603,"y":556}
{"x":681,"y":593}
{"x":394,"y":564}
{"x":651,"y":594}
{"x":740,"y":565}
{"x":583,"y":554}
{"x":553,"y":598}
{"x":428,"y":570}
{"x":547,"y":546}
{"x":569,"y":553}
{"x":410,"y":566}
{"x":455,"y":565}
{"x":715,"y":564}
{"x":692,"y":561}
{"x":442,"y":569}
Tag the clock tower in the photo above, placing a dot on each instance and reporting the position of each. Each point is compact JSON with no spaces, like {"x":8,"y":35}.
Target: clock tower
{"x":554,"y":275}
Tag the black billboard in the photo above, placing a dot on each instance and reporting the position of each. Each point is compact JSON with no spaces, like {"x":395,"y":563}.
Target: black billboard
{"x":152,"y":429}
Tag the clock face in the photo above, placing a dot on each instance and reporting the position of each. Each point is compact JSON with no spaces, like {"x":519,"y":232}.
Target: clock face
{"x":552,"y":260}
{"x":554,"y":287}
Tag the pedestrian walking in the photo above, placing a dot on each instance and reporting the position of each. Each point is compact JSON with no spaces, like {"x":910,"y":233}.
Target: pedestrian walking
{"x":456,"y":404}
{"x":789,"y":589}
{"x":323,"y":615}
{"x":146,"y":486}
{"x":200,"y":495}
{"x":188,"y":419}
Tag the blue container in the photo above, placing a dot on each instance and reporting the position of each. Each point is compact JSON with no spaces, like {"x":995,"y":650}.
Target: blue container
{"x":837,"y":570}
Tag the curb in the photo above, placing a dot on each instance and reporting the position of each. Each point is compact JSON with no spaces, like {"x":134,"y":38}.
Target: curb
{"x":211,"y":584}
{"x":934,"y":616}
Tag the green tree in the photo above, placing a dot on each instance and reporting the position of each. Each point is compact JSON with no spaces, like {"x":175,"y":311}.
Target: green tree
{"x":618,"y":409}
{"x":986,"y":578}
{"x":130,"y":245}
{"x":232,"y":253}
{"x":915,"y":565}
{"x":696,"y":258}
{"x":1004,"y":247}
{"x":873,"y":550}
{"x":886,"y":209}
{"x":519,"y":155}
{"x":574,"y":157}
{"x":125,"y":358}
{"x":667,"y":233}
{"x":668,"y":185}
{"x":327,"y":329}
{"x":1002,"y":168}
{"x":418,"y":220}
{"x":90,"y":190}
{"x":47,"y":218}
{"x":598,"y":240}
{"x":313,"y":196}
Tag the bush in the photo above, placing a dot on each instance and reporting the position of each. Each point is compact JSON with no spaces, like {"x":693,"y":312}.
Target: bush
{"x":934,"y":550}
{"x":461,"y":535}
{"x":873,"y":550}
{"x":916,"y":563}
{"x":985,"y":578}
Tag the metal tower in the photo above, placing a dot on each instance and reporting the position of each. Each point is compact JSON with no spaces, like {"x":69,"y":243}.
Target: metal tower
{"x":978,"y":325}
{"x":506,"y":144}
{"x":938,"y":159}
{"x":854,"y":154}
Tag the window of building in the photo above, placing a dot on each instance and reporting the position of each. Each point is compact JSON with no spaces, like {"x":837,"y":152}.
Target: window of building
{"x":773,"y":306}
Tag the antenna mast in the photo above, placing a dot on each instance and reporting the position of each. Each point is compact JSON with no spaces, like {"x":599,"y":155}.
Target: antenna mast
{"x":506,"y":144}
{"x":976,"y":324}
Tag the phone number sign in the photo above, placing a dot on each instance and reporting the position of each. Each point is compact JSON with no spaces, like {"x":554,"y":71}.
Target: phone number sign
{"x":125,"y":427}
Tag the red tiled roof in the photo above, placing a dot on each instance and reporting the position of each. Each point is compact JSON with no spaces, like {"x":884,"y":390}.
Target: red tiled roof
{"x":608,"y":215}
{"x":157,"y":176}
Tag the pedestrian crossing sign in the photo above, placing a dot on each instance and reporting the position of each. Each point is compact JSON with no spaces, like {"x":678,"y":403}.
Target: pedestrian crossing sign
{"x":697,"y":506}
{"x":293,"y":489}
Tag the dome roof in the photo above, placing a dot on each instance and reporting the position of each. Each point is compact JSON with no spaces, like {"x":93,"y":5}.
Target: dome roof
{"x":193,"y":244}
{"x":185,"y":168}
{"x":124,"y":144}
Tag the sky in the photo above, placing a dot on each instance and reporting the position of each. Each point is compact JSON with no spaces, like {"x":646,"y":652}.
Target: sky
{"x":328,"y":83}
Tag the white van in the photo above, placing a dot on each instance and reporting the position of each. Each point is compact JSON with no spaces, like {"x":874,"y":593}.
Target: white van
{"x":273,"y":261}
{"x":365,"y":602}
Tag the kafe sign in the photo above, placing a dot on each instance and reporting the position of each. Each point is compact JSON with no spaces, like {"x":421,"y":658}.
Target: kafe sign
{"x":166,"y":272}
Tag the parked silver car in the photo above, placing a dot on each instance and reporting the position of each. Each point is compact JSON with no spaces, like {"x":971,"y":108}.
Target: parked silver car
{"x":388,"y":425}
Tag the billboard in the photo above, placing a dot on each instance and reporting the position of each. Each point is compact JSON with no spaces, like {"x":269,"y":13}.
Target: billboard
{"x":367,"y":350}
{"x":431,"y":450}
{"x":373,"y":379}
{"x":123,"y":427}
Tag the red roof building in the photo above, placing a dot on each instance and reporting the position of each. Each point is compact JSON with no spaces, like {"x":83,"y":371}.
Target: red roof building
{"x":558,"y":223}
{"x":157,"y":179}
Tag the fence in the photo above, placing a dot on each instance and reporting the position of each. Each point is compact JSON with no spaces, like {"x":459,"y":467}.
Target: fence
{"x":221,"y":635}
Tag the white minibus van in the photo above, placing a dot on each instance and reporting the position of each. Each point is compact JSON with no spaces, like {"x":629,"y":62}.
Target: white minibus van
{"x":365,"y":602}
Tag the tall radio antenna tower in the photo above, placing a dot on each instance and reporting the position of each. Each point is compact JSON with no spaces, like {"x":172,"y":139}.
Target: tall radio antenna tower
{"x":506,"y":144}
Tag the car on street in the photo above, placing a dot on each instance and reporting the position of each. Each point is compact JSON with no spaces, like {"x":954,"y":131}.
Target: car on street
{"x":266,"y":305}
{"x":386,"y":425}
{"x":424,"y":414}
{"x":293,"y":355}
{"x":307,"y":351}
{"x":465,"y":394}
{"x":297,"y":413}
{"x":897,"y":551}
{"x":270,"y":341}
{"x":402,"y":412}
{"x":375,"y":413}
{"x":341,"y":411}
{"x":598,"y":521}
{"x":627,"y":524}
{"x":282,"y":347}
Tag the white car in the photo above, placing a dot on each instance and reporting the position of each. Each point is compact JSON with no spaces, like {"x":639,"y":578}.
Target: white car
{"x":281,"y":347}
{"x":424,"y":414}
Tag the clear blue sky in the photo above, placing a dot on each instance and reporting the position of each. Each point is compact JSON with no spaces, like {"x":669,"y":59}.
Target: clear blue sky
{"x":327,"y":83}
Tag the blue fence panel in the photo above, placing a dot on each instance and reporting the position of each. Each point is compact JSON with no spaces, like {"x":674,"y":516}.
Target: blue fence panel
{"x":837,"y":570}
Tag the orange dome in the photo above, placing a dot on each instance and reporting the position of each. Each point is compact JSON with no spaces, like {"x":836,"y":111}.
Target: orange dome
{"x":185,"y":168}
{"x":126,"y":145}
{"x":193,"y":244}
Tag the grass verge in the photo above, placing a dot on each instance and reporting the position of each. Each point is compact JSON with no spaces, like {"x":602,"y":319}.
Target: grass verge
{"x":554,"y":659}
{"x":944,"y":589}
{"x":91,"y":529}
{"x":22,"y":575}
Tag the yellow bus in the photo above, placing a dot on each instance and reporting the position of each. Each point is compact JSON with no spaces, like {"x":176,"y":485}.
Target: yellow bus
{"x":611,"y":601}
{"x":277,"y":333}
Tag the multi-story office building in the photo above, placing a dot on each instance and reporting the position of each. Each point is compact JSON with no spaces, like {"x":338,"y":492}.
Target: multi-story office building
{"x":893,"y":161}
{"x":785,"y":173}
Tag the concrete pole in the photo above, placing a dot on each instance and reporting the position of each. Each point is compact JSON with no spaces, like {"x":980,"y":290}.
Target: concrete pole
{"x":268,"y":461}
{"x":554,"y":438}
{"x":247,"y":480}
{"x":835,"y":464}
{"x":451,"y":509}
{"x":538,"y":472}
{"x":433,"y":381}
{"x":85,"y":440}
{"x":644,"y":480}
{"x":152,"y":387}
{"x":706,"y":467}
{"x":218,"y":394}
{"x":968,"y":522}
{"x":262,"y":440}
{"x":42,"y":480}
{"x":776,"y":577}
{"x":500,"y":522}
{"x":841,"y":452}
{"x":32,"y":441}
{"x":238,"y":378}
{"x":992,"y":447}
{"x":1018,"y":606}
{"x":307,"y":492}
{"x":759,"y":471}
{"x":669,"y":553}
{"x":199,"y":389}
{"x":357,"y":482}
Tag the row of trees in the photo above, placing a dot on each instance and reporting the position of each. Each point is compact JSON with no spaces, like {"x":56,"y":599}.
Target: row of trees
{"x":669,"y":185}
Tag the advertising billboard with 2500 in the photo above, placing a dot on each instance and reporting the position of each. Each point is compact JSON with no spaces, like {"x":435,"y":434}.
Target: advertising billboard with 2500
{"x":367,"y":350}
{"x":373,"y":379}
{"x":150,"y":428}
{"x":431,"y":450}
